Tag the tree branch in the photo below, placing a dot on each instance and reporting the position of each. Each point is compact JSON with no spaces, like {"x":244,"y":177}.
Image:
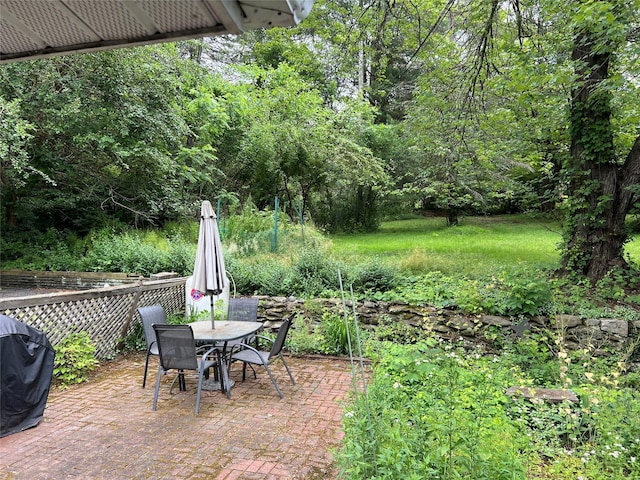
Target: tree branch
{"x":138,"y":213}
{"x":631,"y":166}
{"x":445,"y":11}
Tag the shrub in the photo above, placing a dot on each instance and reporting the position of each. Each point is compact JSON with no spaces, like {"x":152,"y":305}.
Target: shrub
{"x":375,"y":276}
{"x":513,"y":294}
{"x":527,"y":296}
{"x":442,"y":413}
{"x":251,"y":231}
{"x":263,"y":278}
{"x":399,"y":332}
{"x":74,"y":359}
{"x":428,"y":414}
{"x":303,"y":337}
{"x":51,"y":250}
{"x":134,"y":341}
{"x":335,"y":334}
{"x":138,"y":252}
{"x":313,"y":273}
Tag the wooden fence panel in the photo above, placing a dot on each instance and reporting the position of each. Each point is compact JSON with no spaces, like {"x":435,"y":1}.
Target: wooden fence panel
{"x":106,"y":314}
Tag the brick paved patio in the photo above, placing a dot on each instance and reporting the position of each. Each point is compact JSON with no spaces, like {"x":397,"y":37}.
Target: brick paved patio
{"x":105,"y":429}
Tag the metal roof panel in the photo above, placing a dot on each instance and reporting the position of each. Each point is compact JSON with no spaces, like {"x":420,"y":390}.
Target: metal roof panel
{"x":40,"y":28}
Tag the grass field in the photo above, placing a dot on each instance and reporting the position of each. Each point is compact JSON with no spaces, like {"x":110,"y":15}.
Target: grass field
{"x":476,"y":246}
{"x":589,"y":439}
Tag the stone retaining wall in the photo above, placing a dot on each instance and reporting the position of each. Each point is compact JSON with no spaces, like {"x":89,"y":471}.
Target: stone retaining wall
{"x":577,"y":332}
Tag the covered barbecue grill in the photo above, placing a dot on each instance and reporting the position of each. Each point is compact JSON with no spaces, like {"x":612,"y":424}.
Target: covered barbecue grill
{"x":26,"y":371}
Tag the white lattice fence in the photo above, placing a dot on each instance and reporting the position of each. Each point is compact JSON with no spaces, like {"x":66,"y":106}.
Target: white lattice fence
{"x":106,"y":314}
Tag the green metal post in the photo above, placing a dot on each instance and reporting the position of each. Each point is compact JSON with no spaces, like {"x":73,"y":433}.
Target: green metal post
{"x":220,"y":226}
{"x":301,"y":219}
{"x":274,"y":243}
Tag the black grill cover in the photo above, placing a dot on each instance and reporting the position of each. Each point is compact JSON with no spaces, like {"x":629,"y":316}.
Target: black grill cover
{"x":26,"y":371}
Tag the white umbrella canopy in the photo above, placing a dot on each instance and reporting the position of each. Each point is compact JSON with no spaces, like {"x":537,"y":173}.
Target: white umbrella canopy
{"x":209,"y":274}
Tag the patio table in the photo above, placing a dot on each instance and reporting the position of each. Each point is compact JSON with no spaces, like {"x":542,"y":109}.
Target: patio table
{"x":224,"y":332}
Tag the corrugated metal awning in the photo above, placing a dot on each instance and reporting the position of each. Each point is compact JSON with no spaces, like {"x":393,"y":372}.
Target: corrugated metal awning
{"x":40,"y":28}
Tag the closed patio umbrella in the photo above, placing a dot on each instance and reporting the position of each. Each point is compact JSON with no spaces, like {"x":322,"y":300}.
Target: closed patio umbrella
{"x":209,"y":274}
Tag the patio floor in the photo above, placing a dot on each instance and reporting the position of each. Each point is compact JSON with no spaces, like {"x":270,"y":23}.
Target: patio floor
{"x":105,"y":429}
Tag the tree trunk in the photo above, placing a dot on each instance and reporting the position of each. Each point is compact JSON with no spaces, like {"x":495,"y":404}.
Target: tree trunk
{"x":599,"y":197}
{"x":452,"y":218}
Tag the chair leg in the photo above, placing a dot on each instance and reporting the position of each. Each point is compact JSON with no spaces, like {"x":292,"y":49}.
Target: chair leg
{"x":225,"y":378}
{"x":146,"y":365}
{"x":182,"y":384}
{"x":287,"y":368}
{"x":200,"y":379}
{"x":155,"y":395}
{"x":273,"y":380}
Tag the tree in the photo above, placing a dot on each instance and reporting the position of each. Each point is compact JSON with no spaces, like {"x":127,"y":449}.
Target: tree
{"x":377,"y":42}
{"x":15,"y":162}
{"x":111,"y":137}
{"x":358,"y":169}
{"x":590,"y":49}
{"x":602,"y":184}
{"x":296,"y":147}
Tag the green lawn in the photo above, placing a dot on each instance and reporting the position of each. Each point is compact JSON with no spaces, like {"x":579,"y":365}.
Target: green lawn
{"x":476,"y":246}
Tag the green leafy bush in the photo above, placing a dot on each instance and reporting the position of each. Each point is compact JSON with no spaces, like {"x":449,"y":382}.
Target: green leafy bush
{"x":138,"y":252}
{"x":303,"y":338}
{"x":111,"y":249}
{"x":389,"y":330}
{"x":313,"y":273}
{"x":527,"y":296}
{"x":51,"y":250}
{"x":74,"y":359}
{"x":427,"y":415}
{"x":375,"y":276}
{"x":534,"y":354}
{"x":336,"y":333}
{"x":134,"y":341}
{"x":441,"y":412}
{"x":433,"y":288}
{"x":263,"y":278}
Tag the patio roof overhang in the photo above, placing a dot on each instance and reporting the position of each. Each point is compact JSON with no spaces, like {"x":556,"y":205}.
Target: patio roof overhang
{"x":32,"y":29}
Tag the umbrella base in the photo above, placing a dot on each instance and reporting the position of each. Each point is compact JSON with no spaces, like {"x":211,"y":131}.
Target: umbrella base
{"x":213,"y":385}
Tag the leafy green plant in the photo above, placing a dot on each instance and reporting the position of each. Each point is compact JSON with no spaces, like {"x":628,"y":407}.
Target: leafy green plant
{"x":335,"y":333}
{"x":303,"y":337}
{"x":141,"y":252}
{"x":441,"y":412}
{"x":399,"y":332}
{"x":432,"y":413}
{"x":74,"y":359}
{"x":470,"y":300}
{"x":534,"y":355}
{"x":134,"y":341}
{"x":268,"y":277}
{"x":528,"y":297}
{"x":375,"y":276}
{"x":313,"y":272}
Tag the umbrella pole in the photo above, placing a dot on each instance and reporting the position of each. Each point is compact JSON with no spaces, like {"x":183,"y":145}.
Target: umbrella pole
{"x":213,"y":323}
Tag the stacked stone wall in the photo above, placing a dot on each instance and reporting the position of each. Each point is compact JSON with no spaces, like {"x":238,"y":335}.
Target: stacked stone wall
{"x":597,"y":333}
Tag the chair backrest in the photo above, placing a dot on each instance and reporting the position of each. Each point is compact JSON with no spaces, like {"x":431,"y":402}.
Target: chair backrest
{"x":278,"y":343}
{"x":150,"y":315}
{"x":176,"y":347}
{"x":243,"y":309}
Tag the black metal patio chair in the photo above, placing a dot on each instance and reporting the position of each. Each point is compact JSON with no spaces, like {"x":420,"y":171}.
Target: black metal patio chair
{"x":242,"y":309}
{"x":249,"y":355}
{"x":148,"y":316}
{"x":177,"y":351}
